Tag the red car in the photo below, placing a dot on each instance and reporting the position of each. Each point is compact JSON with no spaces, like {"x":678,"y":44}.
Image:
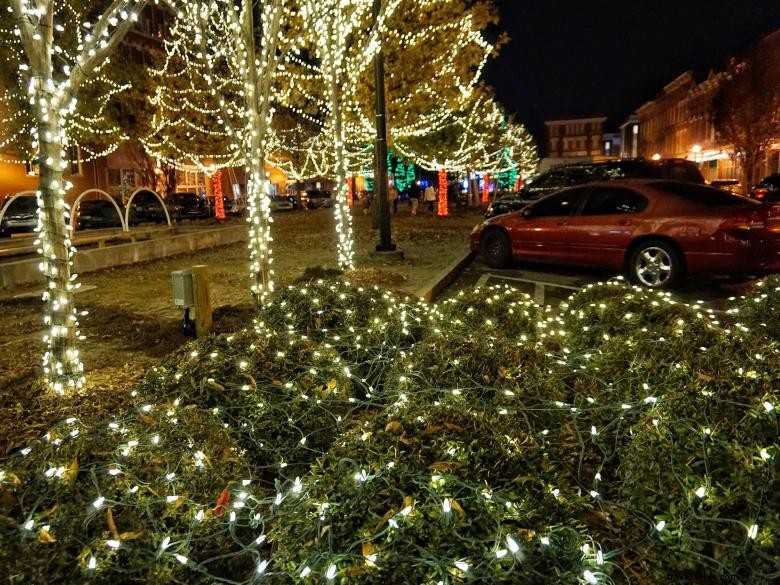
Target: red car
{"x":656,"y":231}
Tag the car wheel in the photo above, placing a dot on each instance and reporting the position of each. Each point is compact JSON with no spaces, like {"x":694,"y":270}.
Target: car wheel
{"x":656,"y":264}
{"x":496,"y":249}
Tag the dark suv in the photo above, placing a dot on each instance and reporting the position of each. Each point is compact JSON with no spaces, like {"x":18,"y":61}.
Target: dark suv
{"x":187,"y":206}
{"x":97,"y":214}
{"x":577,"y":174}
{"x":21,"y":215}
{"x":768,"y":190}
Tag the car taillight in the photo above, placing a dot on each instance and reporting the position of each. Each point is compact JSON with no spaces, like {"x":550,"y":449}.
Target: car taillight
{"x":760,"y":194}
{"x":756,"y":220}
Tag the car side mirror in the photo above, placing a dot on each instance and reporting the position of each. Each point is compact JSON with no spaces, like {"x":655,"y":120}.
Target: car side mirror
{"x":527,"y":212}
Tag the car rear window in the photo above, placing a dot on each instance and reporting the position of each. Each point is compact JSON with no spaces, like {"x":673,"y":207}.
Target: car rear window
{"x":705,"y":196}
{"x":684,"y":171}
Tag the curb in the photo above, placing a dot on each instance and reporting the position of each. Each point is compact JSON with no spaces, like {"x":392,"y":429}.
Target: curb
{"x":445,"y":278}
{"x":26,"y":272}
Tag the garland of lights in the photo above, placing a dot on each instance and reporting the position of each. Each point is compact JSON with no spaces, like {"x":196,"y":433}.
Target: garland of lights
{"x":517,"y":462}
{"x":219,"y":202}
{"x":442,"y":209}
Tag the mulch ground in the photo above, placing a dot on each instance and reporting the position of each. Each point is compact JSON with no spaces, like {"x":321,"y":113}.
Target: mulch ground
{"x":131,"y":322}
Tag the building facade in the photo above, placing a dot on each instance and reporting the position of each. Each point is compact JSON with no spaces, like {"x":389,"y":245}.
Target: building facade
{"x":575,"y":137}
{"x":679,"y":123}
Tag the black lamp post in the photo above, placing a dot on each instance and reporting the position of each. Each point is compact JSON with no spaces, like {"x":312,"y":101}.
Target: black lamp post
{"x":380,"y":175}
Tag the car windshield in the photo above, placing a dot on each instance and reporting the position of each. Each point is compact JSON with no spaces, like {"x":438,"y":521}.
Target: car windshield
{"x":23,"y":205}
{"x":705,"y":196}
{"x":94,"y":204}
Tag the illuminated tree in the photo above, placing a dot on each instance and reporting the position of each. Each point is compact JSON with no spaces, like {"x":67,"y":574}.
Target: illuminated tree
{"x":235,"y":54}
{"x":57,"y":58}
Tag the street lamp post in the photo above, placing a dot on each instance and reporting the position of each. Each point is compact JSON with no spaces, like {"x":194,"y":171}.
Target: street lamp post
{"x":380,"y":180}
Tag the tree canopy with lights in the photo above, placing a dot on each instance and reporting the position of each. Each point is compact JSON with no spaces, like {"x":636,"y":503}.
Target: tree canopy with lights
{"x":60,"y":50}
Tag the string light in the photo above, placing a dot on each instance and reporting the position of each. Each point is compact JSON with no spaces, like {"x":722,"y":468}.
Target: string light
{"x":54,"y":78}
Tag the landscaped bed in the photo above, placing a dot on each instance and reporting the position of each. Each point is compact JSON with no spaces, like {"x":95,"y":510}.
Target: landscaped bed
{"x":347,"y":435}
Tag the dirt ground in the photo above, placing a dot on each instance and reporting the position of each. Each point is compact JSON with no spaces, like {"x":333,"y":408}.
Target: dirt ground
{"x":131,"y":321}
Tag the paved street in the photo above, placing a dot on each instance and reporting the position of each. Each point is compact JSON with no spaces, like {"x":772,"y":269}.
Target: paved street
{"x":551,"y":285}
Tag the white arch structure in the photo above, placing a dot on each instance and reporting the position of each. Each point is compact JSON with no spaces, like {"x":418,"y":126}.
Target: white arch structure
{"x":14,"y":198}
{"x":156,"y":194}
{"x":103,"y":194}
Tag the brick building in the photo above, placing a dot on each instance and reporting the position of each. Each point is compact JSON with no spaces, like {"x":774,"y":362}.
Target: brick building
{"x":575,"y":137}
{"x":679,"y":123}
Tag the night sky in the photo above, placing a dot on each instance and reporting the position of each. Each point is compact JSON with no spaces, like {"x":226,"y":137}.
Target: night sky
{"x":583,"y":57}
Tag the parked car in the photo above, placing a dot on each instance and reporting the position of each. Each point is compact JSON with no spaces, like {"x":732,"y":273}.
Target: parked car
{"x":579,"y":174}
{"x":227,"y":205}
{"x":97,"y":214}
{"x":768,"y":190}
{"x":187,"y":206}
{"x":146,"y":207}
{"x":725,"y":184}
{"x":21,"y":215}
{"x":281,"y":203}
{"x":317,"y":199}
{"x":656,"y":231}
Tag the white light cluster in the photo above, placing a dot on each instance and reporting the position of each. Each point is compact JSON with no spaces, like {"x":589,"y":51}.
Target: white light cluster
{"x":53,"y":97}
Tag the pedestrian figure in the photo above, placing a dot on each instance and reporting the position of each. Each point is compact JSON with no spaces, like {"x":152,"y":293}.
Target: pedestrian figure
{"x":366,"y":202}
{"x":430,"y":197}
{"x":414,"y":197}
{"x":392,"y":197}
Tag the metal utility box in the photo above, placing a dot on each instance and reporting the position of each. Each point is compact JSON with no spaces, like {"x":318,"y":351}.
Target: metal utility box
{"x":183,"y":289}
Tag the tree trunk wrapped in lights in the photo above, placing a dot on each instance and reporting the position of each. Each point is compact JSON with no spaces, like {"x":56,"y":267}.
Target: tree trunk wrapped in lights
{"x":343,"y":50}
{"x":485,"y":189}
{"x":240,"y":78}
{"x":443,"y":204}
{"x":219,"y":202}
{"x":53,"y":98}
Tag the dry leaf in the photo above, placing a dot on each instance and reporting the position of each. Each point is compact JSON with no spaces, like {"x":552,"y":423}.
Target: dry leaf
{"x":394,"y":427}
{"x":452,"y":427}
{"x":354,"y":570}
{"x":149,"y":420}
{"x":73,"y":469}
{"x":45,"y":537}
{"x":215,"y":385}
{"x":111,"y":524}
{"x":85,"y":552}
{"x":369,"y":548}
{"x":389,"y":514}
{"x":444,"y":465}
{"x":51,"y":511}
{"x":131,"y":536}
{"x":457,"y":507}
{"x":526,"y":533}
